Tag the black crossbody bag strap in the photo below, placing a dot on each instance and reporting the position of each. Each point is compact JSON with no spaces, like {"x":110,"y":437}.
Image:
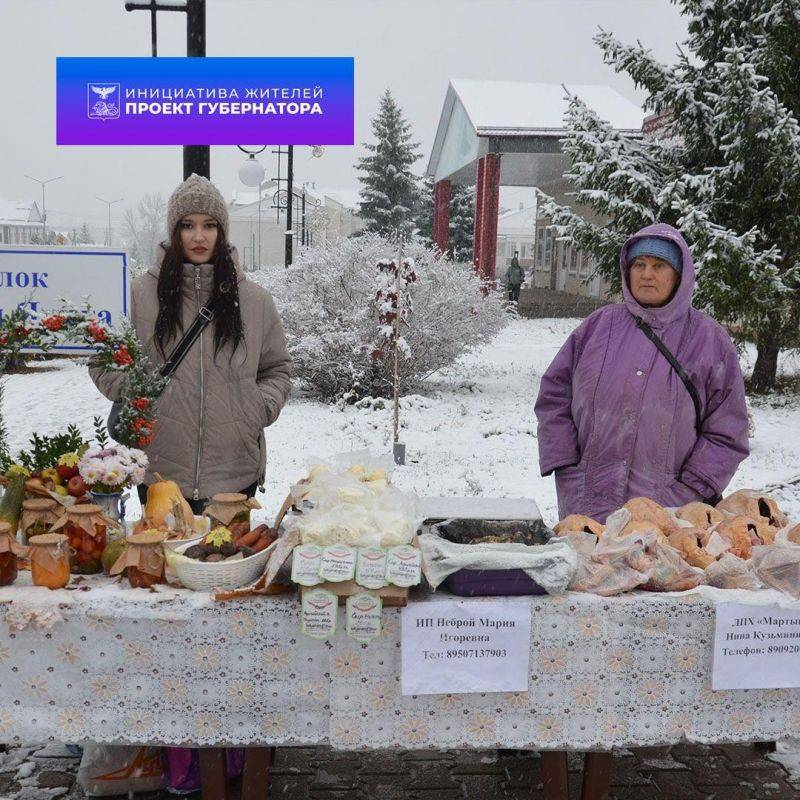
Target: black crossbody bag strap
{"x":204,"y":316}
{"x":680,"y":371}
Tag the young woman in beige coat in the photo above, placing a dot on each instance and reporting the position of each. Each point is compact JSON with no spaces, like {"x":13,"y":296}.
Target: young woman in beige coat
{"x":234,"y":381}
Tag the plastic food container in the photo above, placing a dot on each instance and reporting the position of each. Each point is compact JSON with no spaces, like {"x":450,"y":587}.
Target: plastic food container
{"x":492,"y":582}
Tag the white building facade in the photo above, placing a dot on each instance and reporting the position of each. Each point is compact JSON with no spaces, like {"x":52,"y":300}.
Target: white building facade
{"x":20,"y":220}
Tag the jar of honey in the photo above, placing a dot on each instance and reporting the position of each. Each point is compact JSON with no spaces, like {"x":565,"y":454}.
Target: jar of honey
{"x":230,"y":509}
{"x":142,"y":560}
{"x":50,"y":560}
{"x":38,"y":517}
{"x":9,"y":549}
{"x":86,"y":528}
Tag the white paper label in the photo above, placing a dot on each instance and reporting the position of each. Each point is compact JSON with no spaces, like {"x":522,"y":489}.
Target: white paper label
{"x":363,"y":617}
{"x":318,"y":613}
{"x":464,"y":646}
{"x":403,"y":565}
{"x":306,"y":561}
{"x":756,"y":647}
{"x":338,"y":563}
{"x":371,"y":567}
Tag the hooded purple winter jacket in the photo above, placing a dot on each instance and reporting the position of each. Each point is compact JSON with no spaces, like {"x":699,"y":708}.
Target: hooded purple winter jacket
{"x":615,"y":420}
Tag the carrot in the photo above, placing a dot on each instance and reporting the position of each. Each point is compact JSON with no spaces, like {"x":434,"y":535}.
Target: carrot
{"x":260,"y":545}
{"x":248,"y":540}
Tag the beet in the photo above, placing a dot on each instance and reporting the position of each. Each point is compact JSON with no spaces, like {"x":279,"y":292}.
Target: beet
{"x":196,"y":551}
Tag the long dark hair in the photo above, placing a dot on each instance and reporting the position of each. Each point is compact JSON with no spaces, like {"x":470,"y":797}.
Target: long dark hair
{"x":228,"y":324}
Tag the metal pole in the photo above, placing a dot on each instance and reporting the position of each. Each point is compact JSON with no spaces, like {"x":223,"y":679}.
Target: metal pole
{"x":303,"y":212}
{"x":196,"y":157}
{"x":259,"y":224}
{"x":44,"y":207}
{"x":289,"y":203}
{"x":153,"y":31}
{"x":109,"y":203}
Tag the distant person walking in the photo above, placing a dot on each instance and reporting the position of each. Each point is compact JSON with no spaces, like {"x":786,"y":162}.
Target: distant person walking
{"x":514,"y":278}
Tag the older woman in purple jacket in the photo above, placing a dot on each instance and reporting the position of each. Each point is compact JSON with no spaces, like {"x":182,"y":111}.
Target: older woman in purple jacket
{"x":615,"y":419}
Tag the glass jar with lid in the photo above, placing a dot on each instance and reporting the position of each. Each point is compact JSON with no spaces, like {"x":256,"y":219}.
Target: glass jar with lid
{"x":231,"y":508}
{"x":38,"y":516}
{"x":50,"y":560}
{"x":142,"y":560}
{"x":86,"y":529}
{"x":9,"y":551}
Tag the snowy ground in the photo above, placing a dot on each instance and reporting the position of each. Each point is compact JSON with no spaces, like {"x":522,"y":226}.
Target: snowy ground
{"x":474,"y":433}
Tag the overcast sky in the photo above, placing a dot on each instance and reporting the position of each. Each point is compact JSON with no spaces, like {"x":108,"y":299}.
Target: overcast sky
{"x":412,"y":46}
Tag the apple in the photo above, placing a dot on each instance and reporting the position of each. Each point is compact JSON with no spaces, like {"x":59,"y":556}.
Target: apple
{"x":76,"y":487}
{"x":66,"y":472}
{"x":51,"y":475}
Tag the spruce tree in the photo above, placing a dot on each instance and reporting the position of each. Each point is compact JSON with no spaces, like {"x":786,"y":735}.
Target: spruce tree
{"x":462,"y":222}
{"x":725,"y":172}
{"x":424,"y":211}
{"x":462,"y":218}
{"x":85,"y":236}
{"x":389,"y":189}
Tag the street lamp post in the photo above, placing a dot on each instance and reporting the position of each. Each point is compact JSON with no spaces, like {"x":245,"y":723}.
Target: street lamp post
{"x":44,"y":208}
{"x":289,"y":202}
{"x":196,"y":157}
{"x":251,"y":173}
{"x":109,"y":203}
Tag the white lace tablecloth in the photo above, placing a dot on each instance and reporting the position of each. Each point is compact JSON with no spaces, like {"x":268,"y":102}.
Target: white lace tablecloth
{"x":118,"y":665}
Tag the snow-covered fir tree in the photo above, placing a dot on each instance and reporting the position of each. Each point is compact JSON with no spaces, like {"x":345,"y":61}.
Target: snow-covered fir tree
{"x":725,"y":171}
{"x":462,"y":222}
{"x":424,"y":211}
{"x":389,"y":189}
{"x":462,"y":218}
{"x":85,"y":235}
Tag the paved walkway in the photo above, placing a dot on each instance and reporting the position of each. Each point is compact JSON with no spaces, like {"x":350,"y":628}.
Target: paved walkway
{"x":683,"y":772}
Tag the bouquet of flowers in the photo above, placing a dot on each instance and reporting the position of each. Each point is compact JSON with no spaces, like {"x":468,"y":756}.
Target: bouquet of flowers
{"x":109,"y":470}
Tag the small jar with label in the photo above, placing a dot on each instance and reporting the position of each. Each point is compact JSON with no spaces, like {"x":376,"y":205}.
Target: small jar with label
{"x":38,"y":517}
{"x":50,"y":560}
{"x":9,"y":550}
{"x":142,"y":560}
{"x":86,"y":528}
{"x":231,"y":510}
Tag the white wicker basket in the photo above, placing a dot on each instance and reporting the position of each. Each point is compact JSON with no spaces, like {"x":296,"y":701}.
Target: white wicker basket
{"x":220,"y":575}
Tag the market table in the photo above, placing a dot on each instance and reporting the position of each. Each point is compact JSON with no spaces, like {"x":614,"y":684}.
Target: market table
{"x":111,"y":664}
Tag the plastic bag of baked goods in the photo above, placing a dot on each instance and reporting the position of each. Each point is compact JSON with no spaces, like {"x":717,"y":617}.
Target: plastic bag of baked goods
{"x":610,"y":573}
{"x":670,"y":572}
{"x":778,"y":564}
{"x":732,"y":572}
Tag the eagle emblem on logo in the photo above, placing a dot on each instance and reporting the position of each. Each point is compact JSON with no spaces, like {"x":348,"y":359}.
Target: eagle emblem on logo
{"x":103,"y":100}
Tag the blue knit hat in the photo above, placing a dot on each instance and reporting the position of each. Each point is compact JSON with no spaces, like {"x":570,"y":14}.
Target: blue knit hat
{"x":659,"y":248}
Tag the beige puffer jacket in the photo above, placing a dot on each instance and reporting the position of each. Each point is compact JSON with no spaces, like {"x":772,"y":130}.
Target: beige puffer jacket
{"x":209,"y":434}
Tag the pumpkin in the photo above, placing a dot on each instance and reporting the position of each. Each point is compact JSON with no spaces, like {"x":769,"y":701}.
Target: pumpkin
{"x":160,"y":498}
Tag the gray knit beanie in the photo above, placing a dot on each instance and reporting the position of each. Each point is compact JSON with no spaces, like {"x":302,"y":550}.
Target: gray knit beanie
{"x":197,"y":195}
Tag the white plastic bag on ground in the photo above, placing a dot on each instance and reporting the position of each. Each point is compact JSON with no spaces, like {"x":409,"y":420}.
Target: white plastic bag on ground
{"x":108,"y":770}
